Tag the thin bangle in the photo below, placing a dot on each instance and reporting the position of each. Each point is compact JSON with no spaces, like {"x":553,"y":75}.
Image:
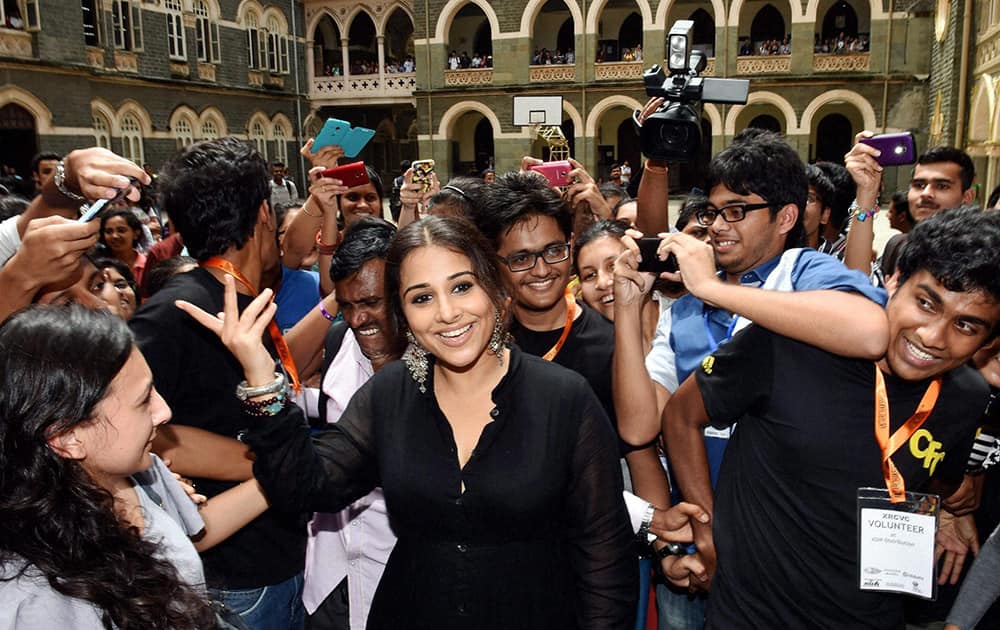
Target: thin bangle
{"x":310,"y":214}
{"x":326,"y":313}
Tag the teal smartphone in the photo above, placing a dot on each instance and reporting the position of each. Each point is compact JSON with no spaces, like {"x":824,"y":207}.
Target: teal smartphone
{"x":355,"y":141}
{"x":333,"y":133}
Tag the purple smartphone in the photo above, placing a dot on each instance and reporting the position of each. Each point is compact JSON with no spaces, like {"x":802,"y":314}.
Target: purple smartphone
{"x":896,"y":148}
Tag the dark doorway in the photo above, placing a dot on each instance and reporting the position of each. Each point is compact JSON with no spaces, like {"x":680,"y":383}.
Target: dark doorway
{"x":628,"y":144}
{"x":483,"y":43}
{"x":766,"y":121}
{"x":833,"y":138}
{"x":703,"y":38}
{"x":18,"y":140}
{"x":483,"y":142}
{"x":841,"y":18}
{"x":767,"y":24}
{"x":565,"y":38}
{"x":630,"y":34}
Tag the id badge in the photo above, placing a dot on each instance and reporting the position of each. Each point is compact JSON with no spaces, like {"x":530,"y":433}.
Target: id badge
{"x":896,"y":542}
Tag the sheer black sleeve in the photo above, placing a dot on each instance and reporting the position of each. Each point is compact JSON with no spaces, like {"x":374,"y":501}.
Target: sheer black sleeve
{"x":599,"y":531}
{"x":324,"y":472}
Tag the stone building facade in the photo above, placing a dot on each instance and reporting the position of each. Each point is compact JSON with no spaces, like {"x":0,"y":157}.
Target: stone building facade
{"x":145,"y":77}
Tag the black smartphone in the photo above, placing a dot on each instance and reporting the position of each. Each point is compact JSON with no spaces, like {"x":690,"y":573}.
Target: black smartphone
{"x":650,"y":262}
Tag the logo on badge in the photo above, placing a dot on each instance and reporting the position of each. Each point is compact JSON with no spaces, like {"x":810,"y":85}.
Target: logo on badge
{"x":707,"y":364}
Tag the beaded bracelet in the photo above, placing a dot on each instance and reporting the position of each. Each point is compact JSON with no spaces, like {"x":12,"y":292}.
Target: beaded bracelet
{"x":328,"y":249}
{"x":265,"y":408}
{"x":60,"y":179}
{"x":860,"y":213}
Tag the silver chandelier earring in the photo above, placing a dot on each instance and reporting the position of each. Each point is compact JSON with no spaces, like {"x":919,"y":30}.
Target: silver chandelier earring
{"x":415,"y":358}
{"x":499,"y":339}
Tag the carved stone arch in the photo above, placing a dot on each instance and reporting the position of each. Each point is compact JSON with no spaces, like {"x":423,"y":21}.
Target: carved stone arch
{"x":272,"y":12}
{"x":314,"y":22}
{"x":281,"y":119}
{"x":534,"y":7}
{"x":247,"y":6}
{"x":133,"y":107}
{"x":183,"y":111}
{"x":711,"y":112}
{"x":860,"y":102}
{"x":598,"y":111}
{"x":451,"y":9}
{"x":574,"y":114}
{"x":791,"y":125}
{"x":594,"y":13}
{"x":981,"y":114}
{"x":30,"y":102}
{"x":355,"y":12}
{"x":458,"y":109}
{"x":100,"y":107}
{"x":215,"y":115}
{"x":794,"y":7}
{"x":662,"y":11}
{"x":877,"y":12}
{"x":381,"y":22}
{"x":259,"y":117}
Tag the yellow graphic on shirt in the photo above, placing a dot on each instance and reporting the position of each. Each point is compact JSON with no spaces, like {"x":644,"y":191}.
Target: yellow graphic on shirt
{"x":707,"y":363}
{"x":925,"y":447}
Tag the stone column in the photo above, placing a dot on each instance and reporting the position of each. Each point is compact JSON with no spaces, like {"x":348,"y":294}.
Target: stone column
{"x":344,"y":42}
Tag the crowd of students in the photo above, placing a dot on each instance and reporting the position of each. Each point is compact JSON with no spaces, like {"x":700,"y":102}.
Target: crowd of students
{"x":482,"y":414}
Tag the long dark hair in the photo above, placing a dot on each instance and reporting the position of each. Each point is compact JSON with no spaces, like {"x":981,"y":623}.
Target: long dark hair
{"x":58,"y":363}
{"x":454,"y":233}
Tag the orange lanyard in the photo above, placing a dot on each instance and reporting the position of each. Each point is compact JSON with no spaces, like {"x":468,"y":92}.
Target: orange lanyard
{"x":570,"y":316}
{"x":890,"y":444}
{"x":280,"y":345}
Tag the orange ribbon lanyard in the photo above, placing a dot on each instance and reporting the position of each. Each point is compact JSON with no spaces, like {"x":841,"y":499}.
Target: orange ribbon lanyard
{"x":570,"y":316}
{"x":280,"y":345}
{"x":890,"y":444}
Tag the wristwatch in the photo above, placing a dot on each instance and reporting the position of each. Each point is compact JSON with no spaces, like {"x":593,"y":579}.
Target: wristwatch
{"x":672,"y":549}
{"x":645,"y":536}
{"x":244,"y":391}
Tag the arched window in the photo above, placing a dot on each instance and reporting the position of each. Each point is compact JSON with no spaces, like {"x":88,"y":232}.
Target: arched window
{"x":256,"y":44}
{"x":176,"y":46}
{"x":209,"y":130}
{"x":132,"y":139}
{"x":102,"y":132}
{"x":126,"y":24}
{"x":183,"y":132}
{"x":206,"y":33}
{"x":259,"y":137}
{"x":277,"y":46}
{"x":280,"y":143}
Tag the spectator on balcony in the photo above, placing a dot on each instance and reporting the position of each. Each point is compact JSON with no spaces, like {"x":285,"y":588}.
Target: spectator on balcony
{"x":786,"y":47}
{"x":477,"y":61}
{"x":464,"y":61}
{"x":570,"y":56}
{"x":637,"y":53}
{"x":14,"y":19}
{"x":409,"y":64}
{"x":453,"y":62}
{"x":841,"y":46}
{"x":536,"y":59}
{"x":489,"y":60}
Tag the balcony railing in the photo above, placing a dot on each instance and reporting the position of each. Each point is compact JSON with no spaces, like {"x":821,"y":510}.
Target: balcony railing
{"x":617,"y":70}
{"x":399,"y":84}
{"x":470,"y":76}
{"x":15,"y":43}
{"x":552,"y":73}
{"x":764,"y":64}
{"x":852,"y":62}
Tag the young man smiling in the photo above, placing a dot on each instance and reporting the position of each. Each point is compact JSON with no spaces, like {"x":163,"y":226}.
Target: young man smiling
{"x":807,"y":439}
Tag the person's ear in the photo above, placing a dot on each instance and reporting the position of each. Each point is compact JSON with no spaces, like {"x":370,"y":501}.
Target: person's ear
{"x":787,"y":216}
{"x":969,"y":195}
{"x":824,"y":216}
{"x":68,"y":445}
{"x":266,"y":217}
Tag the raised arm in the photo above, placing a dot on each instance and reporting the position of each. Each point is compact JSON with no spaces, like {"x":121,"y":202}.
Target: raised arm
{"x":654,"y":189}
{"x":194,"y":452}
{"x":867,"y":174}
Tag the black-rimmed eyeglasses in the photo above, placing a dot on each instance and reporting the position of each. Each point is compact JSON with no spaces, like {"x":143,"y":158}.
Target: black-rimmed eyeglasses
{"x":730,"y":214}
{"x":523,"y":261}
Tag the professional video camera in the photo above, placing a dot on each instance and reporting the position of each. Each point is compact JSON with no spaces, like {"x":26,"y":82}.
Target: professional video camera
{"x":673,"y":132}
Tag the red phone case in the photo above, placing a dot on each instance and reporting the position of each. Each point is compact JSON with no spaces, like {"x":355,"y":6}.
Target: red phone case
{"x":351,"y":175}
{"x":556,"y":172}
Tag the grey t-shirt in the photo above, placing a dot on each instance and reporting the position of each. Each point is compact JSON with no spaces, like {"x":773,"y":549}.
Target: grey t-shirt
{"x":29,"y":602}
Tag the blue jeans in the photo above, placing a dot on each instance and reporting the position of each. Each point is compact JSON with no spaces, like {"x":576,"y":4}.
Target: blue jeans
{"x":275,"y":607}
{"x":677,"y":610}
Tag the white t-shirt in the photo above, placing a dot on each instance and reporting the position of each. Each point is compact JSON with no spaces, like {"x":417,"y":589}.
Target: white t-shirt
{"x":10,"y":239}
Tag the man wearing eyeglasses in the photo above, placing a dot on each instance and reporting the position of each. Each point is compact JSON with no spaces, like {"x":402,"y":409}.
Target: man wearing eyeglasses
{"x":531,"y":228}
{"x":757,"y":193}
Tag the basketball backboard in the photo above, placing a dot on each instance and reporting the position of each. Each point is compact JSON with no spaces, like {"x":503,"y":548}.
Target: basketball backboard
{"x":537,"y":110}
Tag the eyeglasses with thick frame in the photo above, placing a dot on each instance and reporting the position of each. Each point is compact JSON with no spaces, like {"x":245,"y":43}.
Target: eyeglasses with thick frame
{"x":730,"y":214}
{"x":524,"y":261}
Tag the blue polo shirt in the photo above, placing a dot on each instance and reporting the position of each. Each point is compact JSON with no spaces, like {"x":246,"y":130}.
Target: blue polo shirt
{"x":691,"y":330}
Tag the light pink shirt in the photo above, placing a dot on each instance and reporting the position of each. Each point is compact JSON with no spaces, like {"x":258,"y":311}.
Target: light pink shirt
{"x":355,"y":542}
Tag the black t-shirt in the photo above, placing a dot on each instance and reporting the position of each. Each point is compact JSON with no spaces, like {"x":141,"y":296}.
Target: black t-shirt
{"x":785,"y":522}
{"x":538,"y":539}
{"x":587,"y":351}
{"x":197,"y":376}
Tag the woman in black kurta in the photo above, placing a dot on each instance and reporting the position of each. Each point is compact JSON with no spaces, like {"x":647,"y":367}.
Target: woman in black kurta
{"x":531,"y":532}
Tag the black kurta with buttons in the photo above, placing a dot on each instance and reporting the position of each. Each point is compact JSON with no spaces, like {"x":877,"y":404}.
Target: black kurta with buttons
{"x":539,"y":539}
